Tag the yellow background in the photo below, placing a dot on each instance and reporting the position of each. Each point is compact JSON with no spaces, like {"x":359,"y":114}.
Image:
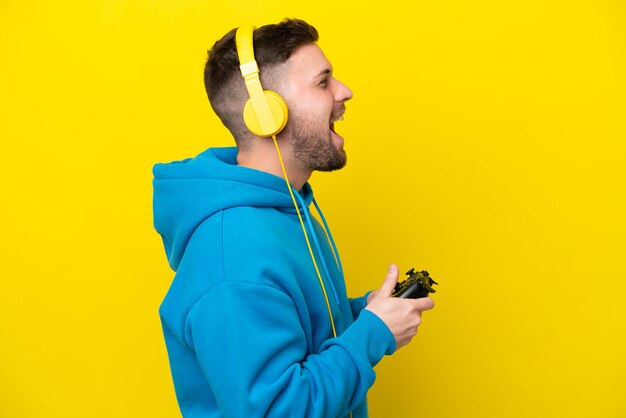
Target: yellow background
{"x":485,"y":142}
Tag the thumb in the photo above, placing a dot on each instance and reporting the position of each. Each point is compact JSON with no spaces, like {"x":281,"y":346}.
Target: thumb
{"x":391,"y":279}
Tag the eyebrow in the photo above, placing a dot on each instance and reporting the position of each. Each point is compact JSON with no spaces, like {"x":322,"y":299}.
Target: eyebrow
{"x":326,"y":71}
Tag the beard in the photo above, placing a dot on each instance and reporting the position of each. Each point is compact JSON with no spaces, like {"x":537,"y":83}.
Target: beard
{"x":313,"y":145}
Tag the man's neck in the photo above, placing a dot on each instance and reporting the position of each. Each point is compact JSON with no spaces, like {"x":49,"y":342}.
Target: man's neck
{"x":265,"y":158}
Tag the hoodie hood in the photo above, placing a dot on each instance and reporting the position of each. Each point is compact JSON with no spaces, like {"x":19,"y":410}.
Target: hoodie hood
{"x":189,"y":191}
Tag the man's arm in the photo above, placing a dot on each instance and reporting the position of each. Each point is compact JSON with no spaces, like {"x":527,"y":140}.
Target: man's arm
{"x":253,"y":351}
{"x":252,"y":348}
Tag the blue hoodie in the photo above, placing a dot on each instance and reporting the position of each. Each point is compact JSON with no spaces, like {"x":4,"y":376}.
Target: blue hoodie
{"x":245,"y":320}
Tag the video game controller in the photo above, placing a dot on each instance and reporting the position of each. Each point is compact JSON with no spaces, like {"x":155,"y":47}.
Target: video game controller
{"x":418,"y":285}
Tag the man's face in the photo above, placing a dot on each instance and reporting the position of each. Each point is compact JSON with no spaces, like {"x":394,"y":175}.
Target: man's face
{"x":316,"y":100}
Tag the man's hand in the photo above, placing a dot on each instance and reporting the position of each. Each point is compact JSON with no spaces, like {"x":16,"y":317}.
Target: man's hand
{"x":402,"y":316}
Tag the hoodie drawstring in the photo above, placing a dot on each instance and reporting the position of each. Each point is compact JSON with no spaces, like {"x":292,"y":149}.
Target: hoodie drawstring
{"x":317,"y":245}
{"x":329,"y":237}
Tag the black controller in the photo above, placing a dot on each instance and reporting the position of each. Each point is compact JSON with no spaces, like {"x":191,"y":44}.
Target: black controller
{"x":418,"y":285}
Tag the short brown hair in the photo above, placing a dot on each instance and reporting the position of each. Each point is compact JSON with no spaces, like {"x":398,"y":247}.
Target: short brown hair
{"x":273,"y":45}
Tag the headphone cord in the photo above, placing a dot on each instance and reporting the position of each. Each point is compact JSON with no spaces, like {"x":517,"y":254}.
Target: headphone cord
{"x":306,"y":236}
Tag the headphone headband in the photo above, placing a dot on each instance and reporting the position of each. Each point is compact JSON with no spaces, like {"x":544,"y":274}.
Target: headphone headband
{"x":245,"y":52}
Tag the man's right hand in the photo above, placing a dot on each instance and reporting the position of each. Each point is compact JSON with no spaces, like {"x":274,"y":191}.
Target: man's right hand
{"x":402,"y":316}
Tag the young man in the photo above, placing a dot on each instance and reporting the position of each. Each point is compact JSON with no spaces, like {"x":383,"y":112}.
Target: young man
{"x":251,"y":329}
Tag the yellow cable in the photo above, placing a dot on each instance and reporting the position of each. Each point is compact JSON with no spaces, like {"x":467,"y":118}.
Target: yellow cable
{"x":306,"y":237}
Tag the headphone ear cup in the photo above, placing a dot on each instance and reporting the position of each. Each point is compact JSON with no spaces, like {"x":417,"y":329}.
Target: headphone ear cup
{"x":278,"y":109}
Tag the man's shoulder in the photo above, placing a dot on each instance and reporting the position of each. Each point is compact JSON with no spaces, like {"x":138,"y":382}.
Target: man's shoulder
{"x":250,"y":245}
{"x":248,"y":227}
{"x":258,"y":216}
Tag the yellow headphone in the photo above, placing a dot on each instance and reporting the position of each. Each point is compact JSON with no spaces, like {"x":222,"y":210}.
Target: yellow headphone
{"x":265,"y":113}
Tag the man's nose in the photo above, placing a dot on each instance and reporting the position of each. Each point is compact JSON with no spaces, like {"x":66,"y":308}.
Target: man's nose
{"x":343,"y":92}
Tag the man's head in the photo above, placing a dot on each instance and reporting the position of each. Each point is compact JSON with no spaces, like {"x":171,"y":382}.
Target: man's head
{"x":292,"y":65}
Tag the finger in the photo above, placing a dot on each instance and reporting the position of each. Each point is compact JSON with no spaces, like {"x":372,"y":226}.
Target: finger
{"x":424,"y":304}
{"x":391,"y":279}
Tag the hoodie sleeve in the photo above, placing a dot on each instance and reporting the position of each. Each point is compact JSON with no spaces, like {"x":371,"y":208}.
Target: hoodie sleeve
{"x":252,"y":349}
{"x":358,"y":304}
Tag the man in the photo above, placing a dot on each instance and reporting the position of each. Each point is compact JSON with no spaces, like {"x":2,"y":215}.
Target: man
{"x":251,"y":328}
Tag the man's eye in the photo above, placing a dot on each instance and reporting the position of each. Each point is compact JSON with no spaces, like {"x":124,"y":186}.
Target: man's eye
{"x":324,"y":82}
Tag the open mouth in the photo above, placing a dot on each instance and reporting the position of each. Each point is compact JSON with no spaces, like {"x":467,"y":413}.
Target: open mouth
{"x":332,"y":123}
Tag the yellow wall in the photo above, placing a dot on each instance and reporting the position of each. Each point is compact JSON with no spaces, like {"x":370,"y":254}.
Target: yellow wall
{"x":485,"y":141}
